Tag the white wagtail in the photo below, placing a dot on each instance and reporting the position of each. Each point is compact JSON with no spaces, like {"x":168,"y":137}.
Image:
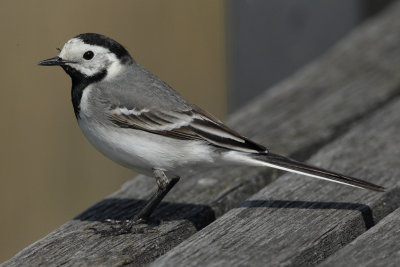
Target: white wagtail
{"x":137,"y":120}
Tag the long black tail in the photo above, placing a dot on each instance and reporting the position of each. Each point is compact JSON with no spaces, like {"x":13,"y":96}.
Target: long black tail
{"x":287,"y":164}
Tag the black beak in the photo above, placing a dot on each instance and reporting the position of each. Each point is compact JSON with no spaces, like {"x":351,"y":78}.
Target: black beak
{"x":54,"y":61}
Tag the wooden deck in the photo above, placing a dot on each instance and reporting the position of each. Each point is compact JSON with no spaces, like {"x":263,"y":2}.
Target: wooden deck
{"x":340,"y":112}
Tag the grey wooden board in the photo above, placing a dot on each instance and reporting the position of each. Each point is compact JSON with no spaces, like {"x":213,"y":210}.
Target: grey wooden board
{"x":380,"y":246}
{"x":295,"y":117}
{"x":298,"y":221}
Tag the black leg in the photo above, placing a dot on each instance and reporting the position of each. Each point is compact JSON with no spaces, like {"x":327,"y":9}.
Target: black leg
{"x":164,"y":186}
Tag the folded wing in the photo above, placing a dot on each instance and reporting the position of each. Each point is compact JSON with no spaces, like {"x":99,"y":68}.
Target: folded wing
{"x":191,"y":124}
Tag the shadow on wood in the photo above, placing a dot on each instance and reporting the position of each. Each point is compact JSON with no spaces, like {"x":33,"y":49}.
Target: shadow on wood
{"x":365,"y":210}
{"x":125,"y":209}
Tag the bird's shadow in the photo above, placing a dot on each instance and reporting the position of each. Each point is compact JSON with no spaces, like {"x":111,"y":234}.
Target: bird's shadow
{"x":365,"y":210}
{"x":202,"y":215}
{"x":126,"y":208}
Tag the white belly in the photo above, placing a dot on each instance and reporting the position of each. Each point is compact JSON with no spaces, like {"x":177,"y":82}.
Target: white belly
{"x":142,"y":151}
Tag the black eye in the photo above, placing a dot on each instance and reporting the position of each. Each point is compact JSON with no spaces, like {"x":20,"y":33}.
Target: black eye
{"x":88,"y":55}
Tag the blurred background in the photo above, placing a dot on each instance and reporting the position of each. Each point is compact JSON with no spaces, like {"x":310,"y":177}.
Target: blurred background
{"x":218,"y":54}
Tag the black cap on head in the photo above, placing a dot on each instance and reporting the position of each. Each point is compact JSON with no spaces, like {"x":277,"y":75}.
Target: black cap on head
{"x":101,"y":40}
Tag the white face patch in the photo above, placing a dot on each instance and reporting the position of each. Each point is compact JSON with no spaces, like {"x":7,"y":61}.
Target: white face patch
{"x":103,"y":58}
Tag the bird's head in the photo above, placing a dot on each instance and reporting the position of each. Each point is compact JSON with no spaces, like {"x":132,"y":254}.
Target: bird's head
{"x":91,"y":55}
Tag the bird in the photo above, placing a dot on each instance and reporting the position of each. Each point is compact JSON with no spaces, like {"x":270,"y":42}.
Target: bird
{"x":137,"y":120}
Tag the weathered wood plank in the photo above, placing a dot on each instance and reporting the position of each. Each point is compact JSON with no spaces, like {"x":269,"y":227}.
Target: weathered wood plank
{"x":300,"y":221}
{"x":379,"y":246}
{"x":295,"y":117}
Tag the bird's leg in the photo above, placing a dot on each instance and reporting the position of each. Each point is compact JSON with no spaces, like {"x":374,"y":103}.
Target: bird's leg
{"x":164,"y":186}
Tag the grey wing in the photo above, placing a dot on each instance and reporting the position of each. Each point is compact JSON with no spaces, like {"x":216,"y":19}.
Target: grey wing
{"x":161,"y":110}
{"x":189,"y":124}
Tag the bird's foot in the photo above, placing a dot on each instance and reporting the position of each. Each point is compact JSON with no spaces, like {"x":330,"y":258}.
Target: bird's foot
{"x":134,"y":226}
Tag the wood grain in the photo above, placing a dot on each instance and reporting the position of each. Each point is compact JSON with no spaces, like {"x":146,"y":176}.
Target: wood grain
{"x":377,"y":247}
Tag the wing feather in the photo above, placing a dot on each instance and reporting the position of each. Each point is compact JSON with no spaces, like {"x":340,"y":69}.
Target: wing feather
{"x":193,"y":124}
